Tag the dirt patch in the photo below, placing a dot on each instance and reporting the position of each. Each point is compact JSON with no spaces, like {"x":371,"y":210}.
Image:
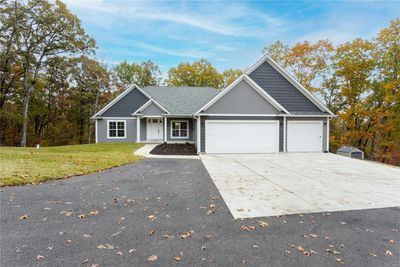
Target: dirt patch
{"x":174,"y":149}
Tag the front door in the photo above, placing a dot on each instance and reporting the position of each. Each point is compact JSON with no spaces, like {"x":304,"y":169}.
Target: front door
{"x":154,"y":129}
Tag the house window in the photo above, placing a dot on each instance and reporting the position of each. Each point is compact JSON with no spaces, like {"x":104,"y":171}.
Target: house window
{"x":116,"y":129}
{"x":179,"y":129}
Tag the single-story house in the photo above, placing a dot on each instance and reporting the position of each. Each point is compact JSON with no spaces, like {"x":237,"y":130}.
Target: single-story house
{"x":264,"y":111}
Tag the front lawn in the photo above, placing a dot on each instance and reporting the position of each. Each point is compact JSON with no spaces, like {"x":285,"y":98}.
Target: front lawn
{"x":20,"y":166}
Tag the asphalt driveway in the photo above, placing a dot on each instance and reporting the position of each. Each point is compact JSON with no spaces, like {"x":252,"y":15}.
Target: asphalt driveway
{"x":257,"y":185}
{"x":160,"y":209}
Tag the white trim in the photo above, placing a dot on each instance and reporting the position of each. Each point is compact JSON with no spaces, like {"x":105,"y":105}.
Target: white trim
{"x":96,"y":125}
{"x":180,"y":137}
{"x":148,"y":103}
{"x":165,"y":129}
{"x":138,"y":129}
{"x":284,"y":134}
{"x":116,"y":129}
{"x":322,"y":131}
{"x":241,"y":115}
{"x":115,"y":118}
{"x":243,"y":121}
{"x":255,"y":86}
{"x":264,"y":115}
{"x":308,"y":115}
{"x":198,"y":133}
{"x":290,"y":78}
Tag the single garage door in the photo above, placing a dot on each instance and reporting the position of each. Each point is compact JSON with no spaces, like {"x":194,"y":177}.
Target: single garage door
{"x":224,"y":136}
{"x":304,"y":136}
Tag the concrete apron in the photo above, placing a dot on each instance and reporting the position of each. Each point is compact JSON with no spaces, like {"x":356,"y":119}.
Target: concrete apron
{"x":144,"y":151}
{"x":258,"y":185}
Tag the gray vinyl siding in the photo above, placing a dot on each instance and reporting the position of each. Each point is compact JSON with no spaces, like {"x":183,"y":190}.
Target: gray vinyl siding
{"x":130,"y":128}
{"x":152,"y":110}
{"x":242,"y":99}
{"x":203,"y":128}
{"x":324,"y":127}
{"x":281,"y":89}
{"x":126,"y":105}
{"x":191,"y":129}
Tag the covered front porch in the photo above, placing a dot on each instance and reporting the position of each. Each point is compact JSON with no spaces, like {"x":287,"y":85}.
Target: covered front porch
{"x":163,"y":129}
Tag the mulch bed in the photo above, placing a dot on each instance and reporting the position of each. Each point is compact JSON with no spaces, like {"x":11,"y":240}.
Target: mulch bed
{"x":174,"y":149}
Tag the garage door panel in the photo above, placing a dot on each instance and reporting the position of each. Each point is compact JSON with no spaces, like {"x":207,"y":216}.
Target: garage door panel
{"x":304,"y":136}
{"x":242,"y":136}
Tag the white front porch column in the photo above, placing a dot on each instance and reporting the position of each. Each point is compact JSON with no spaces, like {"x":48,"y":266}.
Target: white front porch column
{"x":137,"y":129}
{"x":284,"y":134}
{"x":165,"y":129}
{"x":198,"y":134}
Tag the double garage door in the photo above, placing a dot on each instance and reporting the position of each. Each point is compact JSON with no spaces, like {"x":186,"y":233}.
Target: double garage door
{"x":261,"y":136}
{"x":245,"y":136}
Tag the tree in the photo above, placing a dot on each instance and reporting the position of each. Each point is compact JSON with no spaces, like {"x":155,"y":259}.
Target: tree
{"x":386,"y":93}
{"x":278,"y":51}
{"x":143,"y":74}
{"x":90,"y":79}
{"x":230,"y":76}
{"x":199,"y":73}
{"x":44,"y":30}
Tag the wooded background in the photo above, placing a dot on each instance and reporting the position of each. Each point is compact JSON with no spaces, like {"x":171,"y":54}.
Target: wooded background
{"x":51,"y":83}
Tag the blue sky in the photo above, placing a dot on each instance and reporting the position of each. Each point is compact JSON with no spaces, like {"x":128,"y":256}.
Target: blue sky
{"x":230,"y":34}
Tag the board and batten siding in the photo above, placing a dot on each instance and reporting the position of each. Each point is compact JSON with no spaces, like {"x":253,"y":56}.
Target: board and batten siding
{"x":203,"y":127}
{"x":242,"y":99}
{"x":281,"y":89}
{"x":324,"y":127}
{"x":130,"y":131}
{"x":126,"y":105}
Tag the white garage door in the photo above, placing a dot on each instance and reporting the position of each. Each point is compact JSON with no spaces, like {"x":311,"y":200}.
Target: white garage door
{"x":304,"y":136}
{"x":242,"y":136}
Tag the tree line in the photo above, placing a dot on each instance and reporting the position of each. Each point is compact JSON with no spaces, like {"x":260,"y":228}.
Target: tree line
{"x":51,"y":82}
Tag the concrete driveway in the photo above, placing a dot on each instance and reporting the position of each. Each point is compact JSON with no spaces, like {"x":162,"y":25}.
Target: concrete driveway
{"x":257,"y":185}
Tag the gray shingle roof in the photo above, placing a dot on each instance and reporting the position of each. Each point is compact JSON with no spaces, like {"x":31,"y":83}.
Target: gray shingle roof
{"x":181,"y":100}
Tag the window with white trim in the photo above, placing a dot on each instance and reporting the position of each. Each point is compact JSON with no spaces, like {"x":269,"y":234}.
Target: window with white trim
{"x":116,"y":129}
{"x":179,"y":129}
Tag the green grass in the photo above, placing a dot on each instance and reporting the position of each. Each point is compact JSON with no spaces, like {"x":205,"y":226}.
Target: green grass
{"x":20,"y":166}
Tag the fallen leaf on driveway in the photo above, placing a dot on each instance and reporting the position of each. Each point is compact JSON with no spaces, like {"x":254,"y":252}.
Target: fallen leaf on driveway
{"x":177,"y":258}
{"x":131,"y":250}
{"x":373,"y":255}
{"x":333,"y":251}
{"x":86,"y":236}
{"x":119,"y":253}
{"x":151,"y":217}
{"x":24,"y":217}
{"x":152,"y":231}
{"x":152,"y":258}
{"x":101,"y":246}
{"x":39,"y":257}
{"x":50,"y":248}
{"x":263,"y":224}
{"x":388,"y":253}
{"x":85,"y":261}
{"x":391,"y":241}
{"x":93,"y":212}
{"x":247,"y":228}
{"x":187,"y":234}
{"x":81,"y":216}
{"x":339,"y":260}
{"x":343,"y":223}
